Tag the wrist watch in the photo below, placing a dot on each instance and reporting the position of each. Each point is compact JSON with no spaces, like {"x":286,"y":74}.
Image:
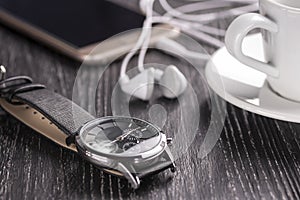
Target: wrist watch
{"x":123,"y":146}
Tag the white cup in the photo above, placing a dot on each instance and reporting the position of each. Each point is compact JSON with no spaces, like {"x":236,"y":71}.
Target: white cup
{"x":279,"y":21}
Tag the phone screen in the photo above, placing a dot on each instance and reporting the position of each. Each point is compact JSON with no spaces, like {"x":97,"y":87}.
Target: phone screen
{"x":77,"y":22}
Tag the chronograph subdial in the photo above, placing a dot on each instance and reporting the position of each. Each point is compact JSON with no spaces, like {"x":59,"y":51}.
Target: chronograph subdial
{"x":135,"y":131}
{"x":129,"y":142}
{"x":128,"y":133}
{"x":127,"y":145}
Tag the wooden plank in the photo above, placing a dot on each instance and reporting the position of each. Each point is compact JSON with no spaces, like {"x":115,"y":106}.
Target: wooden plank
{"x":256,"y":157}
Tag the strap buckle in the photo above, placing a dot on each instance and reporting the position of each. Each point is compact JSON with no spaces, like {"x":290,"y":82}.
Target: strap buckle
{"x":11,"y":86}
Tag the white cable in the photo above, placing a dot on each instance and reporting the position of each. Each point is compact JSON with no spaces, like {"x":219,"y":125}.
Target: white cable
{"x":186,"y":22}
{"x":173,"y":47}
{"x":200,"y":27}
{"x":243,"y":1}
{"x":203,"y":5}
{"x":181,"y":50}
{"x":204,"y":37}
{"x":138,"y":44}
{"x":143,"y":51}
{"x":197,"y":34}
{"x":181,"y":24}
{"x":204,"y":18}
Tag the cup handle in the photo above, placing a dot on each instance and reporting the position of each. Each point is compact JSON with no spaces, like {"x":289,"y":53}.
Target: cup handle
{"x":236,"y":33}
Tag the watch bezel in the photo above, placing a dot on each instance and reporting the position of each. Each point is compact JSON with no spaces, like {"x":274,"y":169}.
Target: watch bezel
{"x":136,"y":158}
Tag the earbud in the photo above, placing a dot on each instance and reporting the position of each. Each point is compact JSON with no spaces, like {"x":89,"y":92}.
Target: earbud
{"x":173,"y":83}
{"x":171,"y":80}
{"x":140,"y":86}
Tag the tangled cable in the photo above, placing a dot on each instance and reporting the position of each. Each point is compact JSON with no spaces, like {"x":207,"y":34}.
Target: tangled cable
{"x":182,"y":17}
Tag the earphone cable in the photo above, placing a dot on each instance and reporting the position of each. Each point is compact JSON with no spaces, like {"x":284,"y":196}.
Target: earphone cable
{"x":205,"y":18}
{"x":141,"y":39}
{"x":188,"y":23}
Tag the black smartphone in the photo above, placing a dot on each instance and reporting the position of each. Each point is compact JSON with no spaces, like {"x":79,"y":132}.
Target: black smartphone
{"x":74,"y":27}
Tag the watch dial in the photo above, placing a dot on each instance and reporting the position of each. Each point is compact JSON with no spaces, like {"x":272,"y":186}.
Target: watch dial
{"x":120,"y":136}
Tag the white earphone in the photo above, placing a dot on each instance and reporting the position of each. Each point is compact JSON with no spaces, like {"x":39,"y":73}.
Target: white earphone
{"x":173,"y":83}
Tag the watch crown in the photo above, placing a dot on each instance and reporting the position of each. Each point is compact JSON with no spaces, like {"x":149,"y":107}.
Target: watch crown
{"x":173,"y":168}
{"x":169,"y":140}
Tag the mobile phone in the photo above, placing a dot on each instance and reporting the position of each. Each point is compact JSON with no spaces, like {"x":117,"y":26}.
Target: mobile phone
{"x":75,"y":27}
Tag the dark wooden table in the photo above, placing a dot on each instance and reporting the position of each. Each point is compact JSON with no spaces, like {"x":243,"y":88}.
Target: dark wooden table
{"x":255,"y":157}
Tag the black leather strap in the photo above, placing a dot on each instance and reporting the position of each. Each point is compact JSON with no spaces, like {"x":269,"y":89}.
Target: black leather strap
{"x":62,"y":112}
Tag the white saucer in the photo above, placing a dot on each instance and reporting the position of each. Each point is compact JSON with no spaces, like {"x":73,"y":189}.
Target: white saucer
{"x":245,"y":87}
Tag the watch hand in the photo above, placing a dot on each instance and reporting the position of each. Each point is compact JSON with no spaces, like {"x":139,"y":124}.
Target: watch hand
{"x":121,"y":137}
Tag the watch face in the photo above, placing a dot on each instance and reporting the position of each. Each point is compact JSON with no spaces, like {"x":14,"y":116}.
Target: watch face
{"x":120,"y":136}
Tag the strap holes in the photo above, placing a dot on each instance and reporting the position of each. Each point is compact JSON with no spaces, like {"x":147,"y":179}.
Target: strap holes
{"x":50,"y":123}
{"x":27,"y":107}
{"x":42,"y":118}
{"x":34,"y":112}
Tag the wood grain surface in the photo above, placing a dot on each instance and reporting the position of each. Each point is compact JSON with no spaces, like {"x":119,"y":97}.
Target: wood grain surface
{"x":255,"y":158}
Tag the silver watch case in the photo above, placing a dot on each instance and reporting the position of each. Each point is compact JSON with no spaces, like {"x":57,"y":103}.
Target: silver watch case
{"x":120,"y":165}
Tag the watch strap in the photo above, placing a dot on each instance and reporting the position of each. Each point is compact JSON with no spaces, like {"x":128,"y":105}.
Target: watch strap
{"x":66,"y":115}
{"x":55,"y":116}
{"x":37,"y":122}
